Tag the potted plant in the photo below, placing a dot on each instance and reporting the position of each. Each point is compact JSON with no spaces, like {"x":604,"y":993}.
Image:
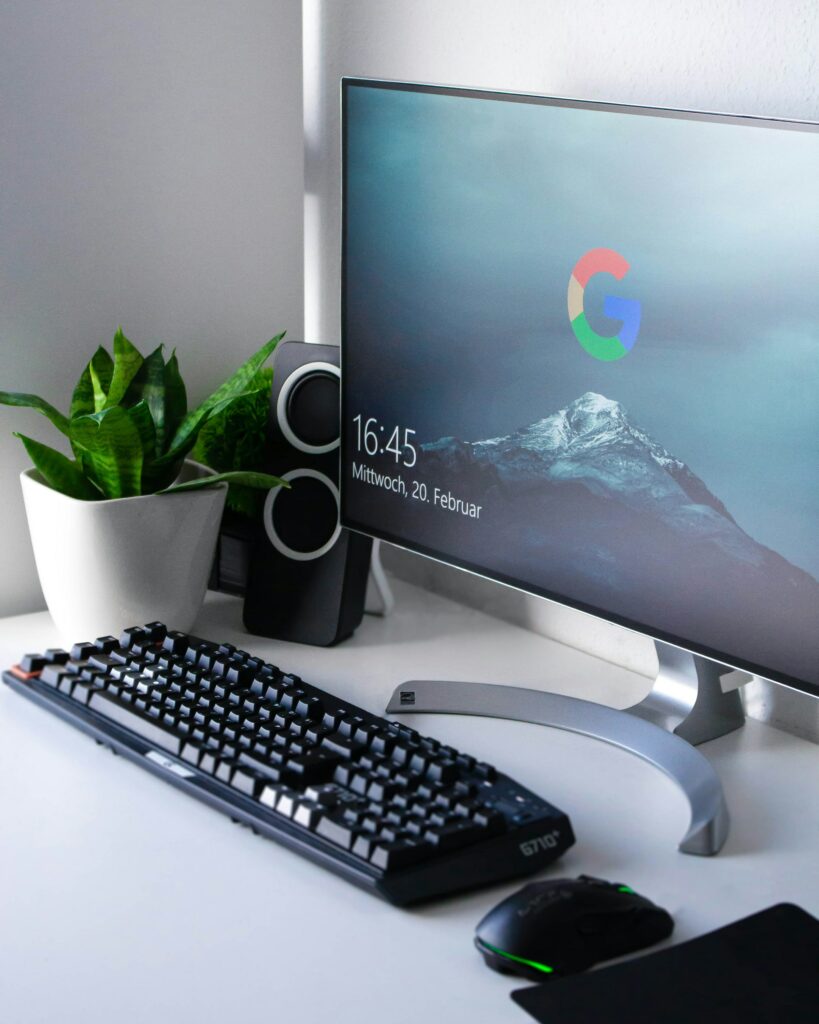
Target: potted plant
{"x":124,"y":532}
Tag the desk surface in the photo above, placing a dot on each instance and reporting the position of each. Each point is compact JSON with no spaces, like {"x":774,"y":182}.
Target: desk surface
{"x":123,"y":899}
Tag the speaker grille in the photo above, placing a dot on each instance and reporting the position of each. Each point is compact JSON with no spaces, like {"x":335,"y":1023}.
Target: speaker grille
{"x":307,"y":409}
{"x":313,"y":409}
{"x":301,"y":521}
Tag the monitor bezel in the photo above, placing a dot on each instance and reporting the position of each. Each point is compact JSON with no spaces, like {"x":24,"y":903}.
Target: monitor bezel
{"x":350,"y":523}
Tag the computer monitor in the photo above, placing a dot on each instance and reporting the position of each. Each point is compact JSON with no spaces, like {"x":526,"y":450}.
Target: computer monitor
{"x":580,"y":356}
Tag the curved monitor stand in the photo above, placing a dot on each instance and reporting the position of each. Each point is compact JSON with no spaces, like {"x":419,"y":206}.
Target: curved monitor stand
{"x":687,"y":705}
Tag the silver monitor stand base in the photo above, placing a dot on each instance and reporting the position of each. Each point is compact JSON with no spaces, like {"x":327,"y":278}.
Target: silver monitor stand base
{"x":687,"y":705}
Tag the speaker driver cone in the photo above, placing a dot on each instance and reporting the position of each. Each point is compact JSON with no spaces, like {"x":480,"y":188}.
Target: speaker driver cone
{"x":302,"y":522}
{"x":307,"y":408}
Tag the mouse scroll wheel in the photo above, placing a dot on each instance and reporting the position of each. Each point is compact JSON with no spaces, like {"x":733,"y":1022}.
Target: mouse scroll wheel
{"x":613,"y":921}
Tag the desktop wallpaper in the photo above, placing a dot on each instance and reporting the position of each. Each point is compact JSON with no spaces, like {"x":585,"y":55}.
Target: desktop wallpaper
{"x":581,"y":352}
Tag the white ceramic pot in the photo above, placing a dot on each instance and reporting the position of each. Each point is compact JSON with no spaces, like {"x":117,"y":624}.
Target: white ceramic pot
{"x":106,"y":565}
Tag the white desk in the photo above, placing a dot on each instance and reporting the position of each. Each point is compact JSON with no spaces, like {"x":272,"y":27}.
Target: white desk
{"x":121,"y":899}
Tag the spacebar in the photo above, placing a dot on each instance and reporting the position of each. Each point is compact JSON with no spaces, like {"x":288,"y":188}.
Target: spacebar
{"x":147,"y":730}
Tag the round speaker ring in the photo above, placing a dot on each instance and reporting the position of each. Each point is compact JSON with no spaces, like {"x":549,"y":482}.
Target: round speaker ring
{"x":281,"y":407}
{"x":270,"y":530}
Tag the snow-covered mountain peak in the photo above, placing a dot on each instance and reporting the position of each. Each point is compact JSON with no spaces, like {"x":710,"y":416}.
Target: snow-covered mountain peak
{"x":590,"y":420}
{"x":592,"y":412}
{"x":591,"y":440}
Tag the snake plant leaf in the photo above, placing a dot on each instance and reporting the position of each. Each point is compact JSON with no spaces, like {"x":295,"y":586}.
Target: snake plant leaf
{"x":82,"y":401}
{"x":235,"y":476}
{"x":89,"y":395}
{"x":111,"y":449}
{"x":58,"y":471}
{"x":178,"y":452}
{"x":101,"y":369}
{"x":127,"y":360}
{"x":234,"y":387}
{"x":140,"y":416}
{"x":148,"y":385}
{"x":176,"y":399}
{"x":40,"y":404}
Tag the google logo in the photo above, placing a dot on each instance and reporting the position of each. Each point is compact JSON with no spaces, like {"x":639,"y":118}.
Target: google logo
{"x":603,"y":261}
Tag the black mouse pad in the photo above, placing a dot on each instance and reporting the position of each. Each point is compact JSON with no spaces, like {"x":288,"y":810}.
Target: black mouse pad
{"x":762,"y":969}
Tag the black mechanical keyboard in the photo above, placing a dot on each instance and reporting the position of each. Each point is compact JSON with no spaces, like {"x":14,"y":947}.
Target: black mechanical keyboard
{"x":388,"y":809}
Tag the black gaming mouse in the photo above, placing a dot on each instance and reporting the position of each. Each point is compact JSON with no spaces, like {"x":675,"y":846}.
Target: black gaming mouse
{"x":565,"y":926}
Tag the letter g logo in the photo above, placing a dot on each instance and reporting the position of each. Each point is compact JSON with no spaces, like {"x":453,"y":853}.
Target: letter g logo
{"x":603,"y":261}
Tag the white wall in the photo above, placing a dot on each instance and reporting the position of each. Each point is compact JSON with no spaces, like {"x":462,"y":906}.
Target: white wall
{"x":152,"y":173}
{"x":740,"y":56}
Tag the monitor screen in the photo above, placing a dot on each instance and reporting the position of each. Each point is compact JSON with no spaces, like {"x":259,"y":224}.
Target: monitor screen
{"x":580,"y":356}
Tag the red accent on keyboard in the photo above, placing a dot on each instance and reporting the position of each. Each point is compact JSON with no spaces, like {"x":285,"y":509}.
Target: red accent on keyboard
{"x":17,"y":671}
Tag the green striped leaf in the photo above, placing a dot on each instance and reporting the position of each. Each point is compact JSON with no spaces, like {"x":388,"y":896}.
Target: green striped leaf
{"x":58,"y":471}
{"x":148,"y":386}
{"x":237,"y":476}
{"x":176,"y":399}
{"x":101,"y":369}
{"x":111,"y":451}
{"x":82,"y":401}
{"x":180,"y":451}
{"x":127,"y":361}
{"x":234,"y":387}
{"x":140,"y":416}
{"x":35,"y":402}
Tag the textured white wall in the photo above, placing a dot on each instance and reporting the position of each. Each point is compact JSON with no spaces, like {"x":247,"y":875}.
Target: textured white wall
{"x":152,"y":175}
{"x":738,"y":56}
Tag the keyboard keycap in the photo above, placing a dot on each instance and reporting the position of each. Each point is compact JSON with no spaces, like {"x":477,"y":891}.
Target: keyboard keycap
{"x":341,"y":745}
{"x":83,"y":692}
{"x":313,"y":767}
{"x":270,"y":795}
{"x":261,"y":765}
{"x":106,"y":644}
{"x":455,"y":834}
{"x":443,"y":770}
{"x":399,"y":854}
{"x":52,"y":674}
{"x":129,"y":637}
{"x":363,"y":846}
{"x":33,"y":662}
{"x":247,"y":781}
{"x":309,"y":814}
{"x":486,"y":771}
{"x":103,"y":660}
{"x":309,"y":707}
{"x":328,"y":794}
{"x":337,"y":831}
{"x":191,"y":752}
{"x":175,"y":642}
{"x":56,"y":654}
{"x":149,"y":731}
{"x":287,"y":802}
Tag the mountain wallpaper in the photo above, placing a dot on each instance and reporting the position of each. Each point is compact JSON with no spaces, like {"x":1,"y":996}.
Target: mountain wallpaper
{"x":614,"y":515}
{"x":675,"y":487}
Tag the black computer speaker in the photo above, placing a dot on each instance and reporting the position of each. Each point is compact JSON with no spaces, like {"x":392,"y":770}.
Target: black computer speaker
{"x":307,"y":577}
